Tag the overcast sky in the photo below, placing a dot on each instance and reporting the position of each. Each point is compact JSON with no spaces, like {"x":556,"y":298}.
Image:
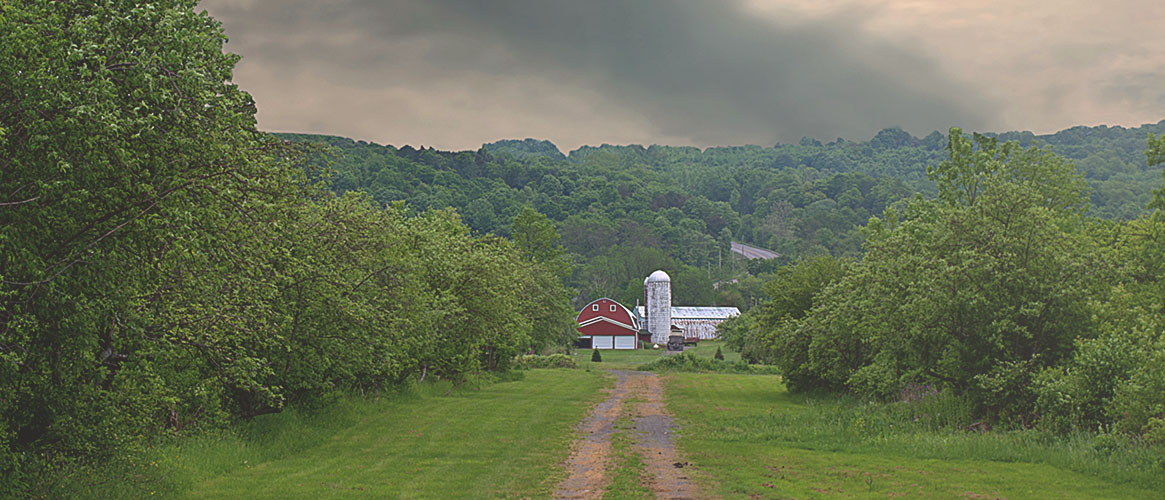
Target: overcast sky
{"x":457,"y":73}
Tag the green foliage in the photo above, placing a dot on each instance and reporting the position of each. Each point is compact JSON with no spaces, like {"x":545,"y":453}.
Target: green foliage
{"x":981,"y":164}
{"x":1115,"y":379}
{"x":688,"y":362}
{"x":1155,"y":155}
{"x":134,"y":169}
{"x":166,"y":267}
{"x":596,"y":357}
{"x":537,"y":240}
{"x":686,"y":204}
{"x":975,"y":292}
{"x":768,"y":334}
{"x":719,"y":354}
{"x":527,"y":362}
{"x":998,"y":291}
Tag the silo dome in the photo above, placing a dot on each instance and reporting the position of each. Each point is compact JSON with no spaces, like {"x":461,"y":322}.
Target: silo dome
{"x":657,"y":276}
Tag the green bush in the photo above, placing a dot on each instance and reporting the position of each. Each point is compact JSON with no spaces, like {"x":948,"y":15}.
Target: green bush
{"x":1139,"y":403}
{"x":596,"y":357}
{"x":687,"y":362}
{"x":719,"y":354}
{"x":193,"y":274}
{"x":549,"y":361}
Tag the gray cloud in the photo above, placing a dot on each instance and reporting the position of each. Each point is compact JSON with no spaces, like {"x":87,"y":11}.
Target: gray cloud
{"x":701,"y":72}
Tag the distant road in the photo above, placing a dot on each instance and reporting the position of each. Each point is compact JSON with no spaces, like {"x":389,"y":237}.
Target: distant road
{"x":751,"y":252}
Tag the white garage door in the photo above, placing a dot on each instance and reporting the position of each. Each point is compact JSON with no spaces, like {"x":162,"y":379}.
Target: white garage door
{"x":601,"y":342}
{"x":625,"y":342}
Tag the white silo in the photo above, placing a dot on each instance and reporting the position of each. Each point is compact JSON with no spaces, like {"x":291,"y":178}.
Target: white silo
{"x":658,"y":291}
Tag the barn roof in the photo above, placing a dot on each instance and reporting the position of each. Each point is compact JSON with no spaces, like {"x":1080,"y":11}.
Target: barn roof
{"x":697,"y":312}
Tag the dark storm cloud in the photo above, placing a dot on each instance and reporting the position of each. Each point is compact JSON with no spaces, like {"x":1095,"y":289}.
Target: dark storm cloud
{"x":707,"y":71}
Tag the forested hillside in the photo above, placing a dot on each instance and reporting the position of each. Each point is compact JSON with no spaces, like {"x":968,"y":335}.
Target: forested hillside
{"x":624,"y":211}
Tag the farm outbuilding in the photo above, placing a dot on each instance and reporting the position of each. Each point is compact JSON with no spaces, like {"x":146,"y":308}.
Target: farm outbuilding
{"x":698,"y":323}
{"x":607,"y":324}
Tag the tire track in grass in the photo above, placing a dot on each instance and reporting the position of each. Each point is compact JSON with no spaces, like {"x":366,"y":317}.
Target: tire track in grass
{"x":589,"y":465}
{"x":666,"y":474}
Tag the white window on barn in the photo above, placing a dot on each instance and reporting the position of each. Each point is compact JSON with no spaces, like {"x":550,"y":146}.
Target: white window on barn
{"x":612,"y":307}
{"x":595,"y":307}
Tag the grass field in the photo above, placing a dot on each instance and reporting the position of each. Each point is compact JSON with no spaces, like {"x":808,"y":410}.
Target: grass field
{"x":752,"y":439}
{"x":504,"y":440}
{"x":746,"y":436}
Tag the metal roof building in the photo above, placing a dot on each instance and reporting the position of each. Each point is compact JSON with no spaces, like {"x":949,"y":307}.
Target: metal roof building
{"x":697,"y":321}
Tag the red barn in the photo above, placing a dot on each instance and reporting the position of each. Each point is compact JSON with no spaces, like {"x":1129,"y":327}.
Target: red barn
{"x":606,"y":324}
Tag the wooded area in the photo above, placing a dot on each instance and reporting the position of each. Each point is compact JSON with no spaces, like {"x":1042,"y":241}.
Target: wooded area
{"x":167,"y":267}
{"x":1000,"y":294}
{"x":625,"y":211}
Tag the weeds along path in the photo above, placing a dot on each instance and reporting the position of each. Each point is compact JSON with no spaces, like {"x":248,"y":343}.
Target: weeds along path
{"x":640,"y":396}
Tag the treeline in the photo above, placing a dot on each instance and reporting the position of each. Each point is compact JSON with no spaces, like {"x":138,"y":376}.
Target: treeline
{"x":165,"y":267}
{"x":624,"y":211}
{"x":621,"y":214}
{"x":1001,"y":292}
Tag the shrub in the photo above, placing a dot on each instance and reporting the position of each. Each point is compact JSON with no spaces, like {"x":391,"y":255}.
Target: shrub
{"x":719,"y":354}
{"x":1139,"y":403}
{"x":550,"y":361}
{"x":687,"y":362}
{"x":596,"y":357}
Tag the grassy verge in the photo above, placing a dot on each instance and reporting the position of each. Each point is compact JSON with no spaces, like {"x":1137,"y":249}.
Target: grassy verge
{"x":617,"y":360}
{"x":504,"y":441}
{"x":707,"y":350}
{"x":757,"y":440}
{"x":489,"y":440}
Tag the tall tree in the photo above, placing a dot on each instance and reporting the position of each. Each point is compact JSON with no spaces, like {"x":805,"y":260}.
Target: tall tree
{"x":537,"y":240}
{"x":975,"y":292}
{"x":126,"y":157}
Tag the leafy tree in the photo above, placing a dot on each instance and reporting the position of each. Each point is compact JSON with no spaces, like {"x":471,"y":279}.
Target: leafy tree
{"x":535,"y":237}
{"x":975,"y":292}
{"x":126,"y":155}
{"x":1155,"y":155}
{"x":165,"y":266}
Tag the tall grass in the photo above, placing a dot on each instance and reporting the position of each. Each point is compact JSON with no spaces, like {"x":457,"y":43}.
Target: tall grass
{"x":935,"y":426}
{"x":172,"y":466}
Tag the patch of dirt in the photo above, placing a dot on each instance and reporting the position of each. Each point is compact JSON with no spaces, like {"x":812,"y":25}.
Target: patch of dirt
{"x":654,"y":429}
{"x":590,"y":462}
{"x":587,"y":466}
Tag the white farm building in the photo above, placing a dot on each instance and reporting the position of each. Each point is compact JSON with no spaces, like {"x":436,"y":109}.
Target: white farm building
{"x":697,"y":322}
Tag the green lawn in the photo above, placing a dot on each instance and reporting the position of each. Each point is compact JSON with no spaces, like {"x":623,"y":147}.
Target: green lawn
{"x":505,"y":440}
{"x":632,"y":359}
{"x":752,"y":439}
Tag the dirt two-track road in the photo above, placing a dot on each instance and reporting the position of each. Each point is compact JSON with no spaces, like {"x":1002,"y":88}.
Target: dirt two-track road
{"x":589,"y":467}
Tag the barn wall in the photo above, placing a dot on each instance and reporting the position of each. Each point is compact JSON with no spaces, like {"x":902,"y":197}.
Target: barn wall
{"x":703,"y":329}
